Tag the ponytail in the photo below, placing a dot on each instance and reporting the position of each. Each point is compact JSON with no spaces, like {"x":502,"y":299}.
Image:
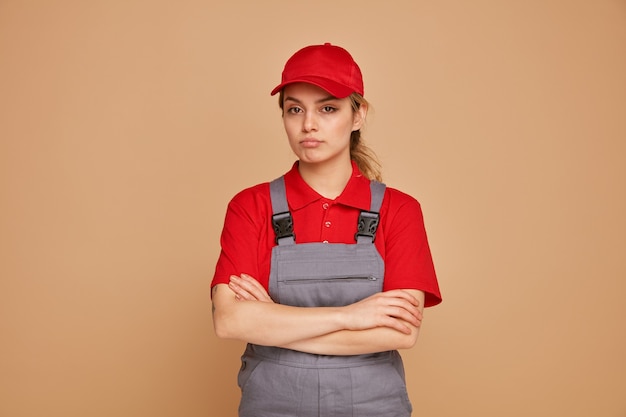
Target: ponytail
{"x":361,"y":154}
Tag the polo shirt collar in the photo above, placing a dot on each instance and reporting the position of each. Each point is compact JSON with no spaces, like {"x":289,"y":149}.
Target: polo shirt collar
{"x":356,"y":193}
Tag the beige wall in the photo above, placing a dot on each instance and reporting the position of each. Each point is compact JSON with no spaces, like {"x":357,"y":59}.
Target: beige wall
{"x":126,"y":126}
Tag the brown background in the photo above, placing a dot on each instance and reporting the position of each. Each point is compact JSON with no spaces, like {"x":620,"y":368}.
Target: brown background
{"x":126,"y":126}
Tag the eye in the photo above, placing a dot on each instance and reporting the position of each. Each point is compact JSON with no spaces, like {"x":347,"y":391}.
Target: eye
{"x":328,"y":109}
{"x":294,"y":110}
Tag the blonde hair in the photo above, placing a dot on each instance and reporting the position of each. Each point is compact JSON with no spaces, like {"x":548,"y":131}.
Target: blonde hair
{"x":360,"y":153}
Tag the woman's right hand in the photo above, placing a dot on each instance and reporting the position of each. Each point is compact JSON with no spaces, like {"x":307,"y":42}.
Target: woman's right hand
{"x":247,"y":288}
{"x":393,"y":309}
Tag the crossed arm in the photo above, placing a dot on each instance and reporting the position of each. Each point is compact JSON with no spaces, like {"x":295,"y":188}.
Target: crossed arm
{"x":384,"y":321}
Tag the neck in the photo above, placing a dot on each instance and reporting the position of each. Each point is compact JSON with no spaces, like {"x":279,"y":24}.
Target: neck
{"x":328,"y":181}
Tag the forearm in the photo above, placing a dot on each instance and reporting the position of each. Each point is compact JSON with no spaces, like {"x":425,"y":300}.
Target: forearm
{"x":356,"y":342}
{"x":270,"y":324}
{"x":243,"y":310}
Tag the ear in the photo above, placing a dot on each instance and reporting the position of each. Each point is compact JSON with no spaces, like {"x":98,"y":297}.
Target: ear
{"x":359,"y":117}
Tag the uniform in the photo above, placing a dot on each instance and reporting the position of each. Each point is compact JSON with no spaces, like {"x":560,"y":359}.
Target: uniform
{"x":310,"y":272}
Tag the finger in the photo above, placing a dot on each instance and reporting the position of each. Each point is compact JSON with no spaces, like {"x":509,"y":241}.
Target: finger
{"x":401,"y":303}
{"x":253,"y":283}
{"x":252,"y":287}
{"x":398,"y":325}
{"x":256,"y":288}
{"x":404,"y":295}
{"x":240,"y":293}
{"x":403,"y":314}
{"x":398,"y":298}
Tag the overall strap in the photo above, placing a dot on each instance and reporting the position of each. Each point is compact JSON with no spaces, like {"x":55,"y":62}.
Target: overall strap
{"x":378,"y":192}
{"x":368,"y":220}
{"x":282,"y":221}
{"x":281,"y":217}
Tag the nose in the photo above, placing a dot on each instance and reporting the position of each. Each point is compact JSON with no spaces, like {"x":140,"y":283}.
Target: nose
{"x":310,"y":122}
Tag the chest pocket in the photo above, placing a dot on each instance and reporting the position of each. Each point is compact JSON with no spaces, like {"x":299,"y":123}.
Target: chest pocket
{"x":324,"y":274}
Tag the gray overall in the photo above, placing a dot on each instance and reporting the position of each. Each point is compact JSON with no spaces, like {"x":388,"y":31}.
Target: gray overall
{"x":277,"y":382}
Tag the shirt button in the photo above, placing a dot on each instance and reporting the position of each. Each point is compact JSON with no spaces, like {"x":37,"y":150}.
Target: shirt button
{"x":325,"y":206}
{"x":325,"y":241}
{"x":327,"y":224}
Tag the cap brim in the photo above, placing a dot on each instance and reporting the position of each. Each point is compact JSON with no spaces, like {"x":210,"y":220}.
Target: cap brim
{"x":332,"y":87}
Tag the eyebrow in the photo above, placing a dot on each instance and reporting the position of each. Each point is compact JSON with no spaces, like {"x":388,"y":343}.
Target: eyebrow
{"x":322,"y":100}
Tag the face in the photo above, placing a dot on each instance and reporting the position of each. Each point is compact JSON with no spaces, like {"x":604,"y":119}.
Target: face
{"x":319,"y":125}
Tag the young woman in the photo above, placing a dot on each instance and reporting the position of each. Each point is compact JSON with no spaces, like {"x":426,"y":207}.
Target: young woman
{"x":325,"y":271}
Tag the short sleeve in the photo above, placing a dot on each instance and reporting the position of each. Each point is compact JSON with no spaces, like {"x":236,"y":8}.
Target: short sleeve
{"x":244,"y":237}
{"x":408,"y":259}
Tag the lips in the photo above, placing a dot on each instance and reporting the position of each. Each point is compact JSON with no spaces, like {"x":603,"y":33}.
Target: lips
{"x":310,"y":142}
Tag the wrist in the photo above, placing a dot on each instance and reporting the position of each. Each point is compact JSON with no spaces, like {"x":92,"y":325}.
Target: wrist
{"x":341,"y":318}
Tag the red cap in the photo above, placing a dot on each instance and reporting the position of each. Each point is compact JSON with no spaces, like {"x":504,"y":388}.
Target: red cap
{"x":327,"y":66}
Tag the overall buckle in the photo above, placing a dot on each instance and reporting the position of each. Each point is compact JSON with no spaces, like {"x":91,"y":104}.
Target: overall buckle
{"x":283,"y":225}
{"x":368,"y":223}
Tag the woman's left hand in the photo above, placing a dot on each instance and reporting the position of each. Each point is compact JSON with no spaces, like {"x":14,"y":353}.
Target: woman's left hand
{"x":247,"y":288}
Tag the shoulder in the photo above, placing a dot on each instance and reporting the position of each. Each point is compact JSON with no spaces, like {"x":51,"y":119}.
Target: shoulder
{"x":396,"y":199}
{"x":252,"y":194}
{"x":251,"y":203}
{"x":400,"y":209}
